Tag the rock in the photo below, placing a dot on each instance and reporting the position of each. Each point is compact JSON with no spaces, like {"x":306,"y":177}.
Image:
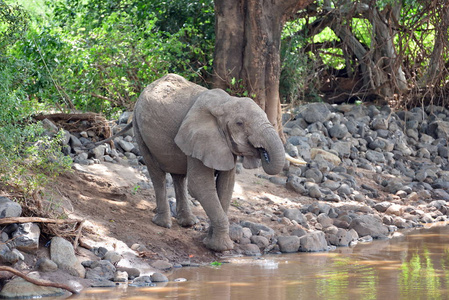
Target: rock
{"x":288,"y":244}
{"x":102,"y":270}
{"x":9,"y":208}
{"x":121,"y":276}
{"x":316,"y":153}
{"x":382,"y":206}
{"x":9,"y":256}
{"x":126,"y":146}
{"x":161,"y":265}
{"x":295,"y":214}
{"x":20,"y":288}
{"x":338,"y":131}
{"x":132,"y":272}
{"x":158,"y":277}
{"x":46,"y":265}
{"x":235,"y":232}
{"x":315,"y":192}
{"x":316,"y":112}
{"x":251,"y":249}
{"x":101,"y":282}
{"x":63,"y":254}
{"x":26,"y":237}
{"x":369,"y":225}
{"x":324,"y":220}
{"x":313,"y":242}
{"x":256,"y":228}
{"x":142,"y":281}
{"x":113,"y":257}
{"x":295,"y":183}
{"x":314,"y":174}
{"x":260,"y":241}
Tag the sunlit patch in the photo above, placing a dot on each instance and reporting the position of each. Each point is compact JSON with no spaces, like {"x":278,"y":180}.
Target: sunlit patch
{"x":244,"y":284}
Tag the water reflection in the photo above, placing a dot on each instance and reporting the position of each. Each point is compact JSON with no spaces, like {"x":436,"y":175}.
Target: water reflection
{"x":412,"y":267}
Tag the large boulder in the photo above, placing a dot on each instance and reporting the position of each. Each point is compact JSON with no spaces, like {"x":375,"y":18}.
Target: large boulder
{"x":369,"y":225}
{"x":313,"y":242}
{"x":63,"y":254}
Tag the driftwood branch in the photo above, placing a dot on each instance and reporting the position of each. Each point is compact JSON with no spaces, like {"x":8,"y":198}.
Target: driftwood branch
{"x":5,"y":221}
{"x":38,"y":282}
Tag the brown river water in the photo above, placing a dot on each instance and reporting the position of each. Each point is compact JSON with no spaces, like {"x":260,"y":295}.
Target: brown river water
{"x":415,"y":266}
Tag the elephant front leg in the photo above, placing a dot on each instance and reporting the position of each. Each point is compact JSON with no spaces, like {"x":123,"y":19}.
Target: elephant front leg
{"x":201,"y":181}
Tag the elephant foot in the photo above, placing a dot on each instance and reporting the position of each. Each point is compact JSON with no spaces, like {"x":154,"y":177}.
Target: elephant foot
{"x":188,"y":220}
{"x":162,"y":220}
{"x":221,"y":243}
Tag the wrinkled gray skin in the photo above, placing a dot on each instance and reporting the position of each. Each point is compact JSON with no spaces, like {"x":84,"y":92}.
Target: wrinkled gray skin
{"x":191,"y":132}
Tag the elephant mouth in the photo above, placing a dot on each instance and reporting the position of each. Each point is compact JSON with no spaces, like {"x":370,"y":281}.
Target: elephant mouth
{"x":264,"y":155}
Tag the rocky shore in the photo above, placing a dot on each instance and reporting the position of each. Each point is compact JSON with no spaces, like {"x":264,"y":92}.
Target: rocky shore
{"x":370,"y":172}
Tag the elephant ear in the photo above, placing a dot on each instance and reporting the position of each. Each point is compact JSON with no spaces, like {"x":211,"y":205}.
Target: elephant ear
{"x":200,"y":134}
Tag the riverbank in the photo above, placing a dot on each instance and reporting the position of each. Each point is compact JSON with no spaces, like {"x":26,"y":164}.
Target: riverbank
{"x":370,"y":172}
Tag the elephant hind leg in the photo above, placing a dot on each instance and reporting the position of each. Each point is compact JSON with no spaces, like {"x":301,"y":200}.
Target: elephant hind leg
{"x":184,"y":213}
{"x":158,"y":177}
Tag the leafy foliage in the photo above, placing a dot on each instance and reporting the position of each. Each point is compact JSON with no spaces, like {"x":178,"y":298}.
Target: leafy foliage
{"x":28,"y":158}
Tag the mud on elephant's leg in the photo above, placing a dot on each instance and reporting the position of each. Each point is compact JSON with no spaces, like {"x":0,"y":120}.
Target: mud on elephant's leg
{"x":201,"y":181}
{"x":225,"y":187}
{"x":184,"y":213}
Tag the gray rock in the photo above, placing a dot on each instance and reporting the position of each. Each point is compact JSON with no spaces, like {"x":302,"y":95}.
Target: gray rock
{"x":260,"y":241}
{"x":313,"y":241}
{"x":369,"y":225}
{"x":251,"y":249}
{"x":314,"y":192}
{"x":142,"y":281}
{"x":9,"y":208}
{"x":158,"y":277}
{"x":295,"y":214}
{"x":314,"y":174}
{"x":101,"y":282}
{"x":256,"y":228}
{"x":374,"y":156}
{"x":20,"y":288}
{"x":316,"y":112}
{"x":343,"y":148}
{"x":338,"y":131}
{"x":126,"y":146}
{"x":50,"y":128}
{"x":162,"y":265}
{"x":295,"y":183}
{"x":324,"y":220}
{"x":46,"y":265}
{"x":26,"y":237}
{"x":382,"y":206}
{"x":103,"y":270}
{"x":121,"y":276}
{"x":235,"y":232}
{"x":288,"y":244}
{"x":63,"y":254}
{"x":75,"y":142}
{"x":113,"y":257}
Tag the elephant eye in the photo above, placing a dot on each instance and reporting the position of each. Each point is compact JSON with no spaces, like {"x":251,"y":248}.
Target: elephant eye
{"x":239,"y":123}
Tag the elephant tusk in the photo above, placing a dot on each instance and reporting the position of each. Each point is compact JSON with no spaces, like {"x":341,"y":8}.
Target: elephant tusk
{"x":295,"y":161}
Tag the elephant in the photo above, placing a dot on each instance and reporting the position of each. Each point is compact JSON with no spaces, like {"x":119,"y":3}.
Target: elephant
{"x":196,"y":135}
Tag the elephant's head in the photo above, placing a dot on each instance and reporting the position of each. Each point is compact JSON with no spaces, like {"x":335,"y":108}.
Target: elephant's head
{"x":218,"y":127}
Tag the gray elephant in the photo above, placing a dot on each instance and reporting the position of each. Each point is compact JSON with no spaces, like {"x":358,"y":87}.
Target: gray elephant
{"x":195,"y":133}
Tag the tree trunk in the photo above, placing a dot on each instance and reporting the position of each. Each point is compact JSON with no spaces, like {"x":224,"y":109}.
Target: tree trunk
{"x":434,"y":74}
{"x":247,"y":48}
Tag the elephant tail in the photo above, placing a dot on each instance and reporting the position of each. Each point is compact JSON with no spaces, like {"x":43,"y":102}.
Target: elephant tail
{"x":127,"y":127}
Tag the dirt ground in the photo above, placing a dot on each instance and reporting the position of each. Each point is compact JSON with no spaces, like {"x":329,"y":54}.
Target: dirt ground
{"x":118,"y":211}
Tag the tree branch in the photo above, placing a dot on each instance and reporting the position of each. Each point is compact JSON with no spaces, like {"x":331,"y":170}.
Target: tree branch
{"x":38,"y":282}
{"x":5,"y":221}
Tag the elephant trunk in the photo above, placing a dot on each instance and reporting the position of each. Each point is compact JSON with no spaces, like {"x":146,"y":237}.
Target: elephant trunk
{"x":271,"y":151}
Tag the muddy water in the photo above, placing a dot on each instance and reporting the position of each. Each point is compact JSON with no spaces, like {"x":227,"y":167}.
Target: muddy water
{"x":415,"y":266}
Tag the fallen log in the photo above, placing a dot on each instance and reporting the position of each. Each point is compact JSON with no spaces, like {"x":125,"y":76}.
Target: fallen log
{"x":5,"y":221}
{"x":38,"y":282}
